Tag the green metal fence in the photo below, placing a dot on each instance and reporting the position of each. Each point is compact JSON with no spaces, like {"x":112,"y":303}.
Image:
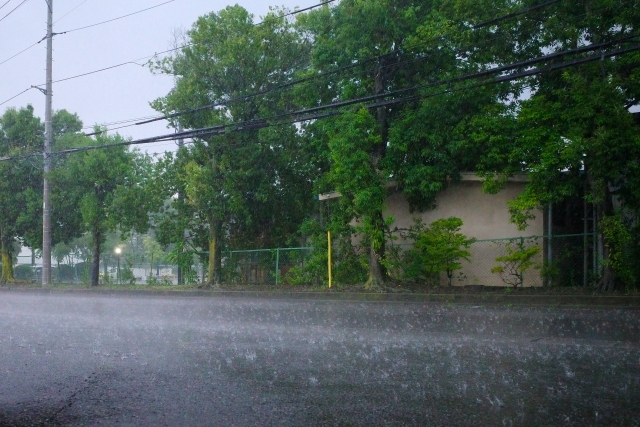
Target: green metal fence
{"x":263,"y":266}
{"x":562,"y":260}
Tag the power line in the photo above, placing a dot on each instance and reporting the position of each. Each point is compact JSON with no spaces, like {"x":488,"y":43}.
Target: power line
{"x":498,"y":19}
{"x":516,"y":13}
{"x":316,"y":113}
{"x":97,"y":71}
{"x":486,"y":72}
{"x":162,"y":117}
{"x":20,"y":53}
{"x":63,"y":16}
{"x":144,"y":57}
{"x":141,"y":58}
{"x":295,"y":12}
{"x":118,"y":122}
{"x":5,"y":3}
{"x":12,"y":10}
{"x":15,"y":96}
{"x":213,"y":105}
{"x":115,"y":19}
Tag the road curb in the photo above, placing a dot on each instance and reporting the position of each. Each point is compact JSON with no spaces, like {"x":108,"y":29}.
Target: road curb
{"x":506,"y":299}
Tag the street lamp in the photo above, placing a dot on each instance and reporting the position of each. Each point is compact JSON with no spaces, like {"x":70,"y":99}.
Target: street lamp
{"x":118,"y":252}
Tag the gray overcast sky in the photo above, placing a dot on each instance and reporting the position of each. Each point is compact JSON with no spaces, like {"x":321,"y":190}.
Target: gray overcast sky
{"x":117,"y":94}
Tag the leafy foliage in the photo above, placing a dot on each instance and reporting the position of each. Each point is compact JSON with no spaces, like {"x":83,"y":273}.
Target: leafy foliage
{"x":519,"y":258}
{"x":239,"y":188}
{"x":619,"y":240}
{"x":103,"y":190}
{"x":441,"y":247}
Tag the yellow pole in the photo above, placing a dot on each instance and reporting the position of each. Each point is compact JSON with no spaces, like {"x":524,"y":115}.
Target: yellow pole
{"x":329,"y":253}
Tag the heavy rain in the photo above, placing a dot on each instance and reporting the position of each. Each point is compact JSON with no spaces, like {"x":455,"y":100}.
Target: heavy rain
{"x":83,"y":359}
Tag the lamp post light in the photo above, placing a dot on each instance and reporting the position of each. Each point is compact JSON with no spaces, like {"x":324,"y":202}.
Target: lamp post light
{"x":118,"y":252}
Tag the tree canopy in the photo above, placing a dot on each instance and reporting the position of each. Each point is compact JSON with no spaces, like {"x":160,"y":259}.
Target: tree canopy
{"x":103,"y":190}
{"x":245,"y":187}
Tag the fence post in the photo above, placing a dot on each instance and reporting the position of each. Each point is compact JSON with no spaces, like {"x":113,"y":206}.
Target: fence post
{"x":521,"y":272}
{"x":277,"y":265}
{"x":585,"y":239}
{"x":329,"y":257}
{"x":549,"y":238}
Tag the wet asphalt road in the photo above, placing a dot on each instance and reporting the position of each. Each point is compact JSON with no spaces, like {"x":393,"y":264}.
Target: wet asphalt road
{"x":98,"y":360}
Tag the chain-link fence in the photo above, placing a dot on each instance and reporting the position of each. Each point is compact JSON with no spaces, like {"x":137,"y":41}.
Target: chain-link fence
{"x":263,"y":266}
{"x":28,"y":269}
{"x":562,"y":260}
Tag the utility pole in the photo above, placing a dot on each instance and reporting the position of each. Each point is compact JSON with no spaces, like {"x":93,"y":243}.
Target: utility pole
{"x":48,"y":138}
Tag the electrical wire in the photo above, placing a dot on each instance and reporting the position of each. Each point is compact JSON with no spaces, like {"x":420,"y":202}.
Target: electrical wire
{"x":490,"y":71}
{"x":115,"y":19}
{"x":95,"y":71}
{"x":12,"y":10}
{"x":55,"y":34}
{"x":118,"y":122}
{"x":516,"y":13}
{"x":162,"y":117}
{"x":19,"y":53}
{"x":213,"y":105}
{"x":15,"y":96}
{"x":144,"y":57}
{"x":303,"y":115}
{"x":295,"y":12}
{"x":331,"y":72}
{"x":5,"y":3}
{"x":63,"y":16}
{"x":315,"y":113}
{"x":190,"y":44}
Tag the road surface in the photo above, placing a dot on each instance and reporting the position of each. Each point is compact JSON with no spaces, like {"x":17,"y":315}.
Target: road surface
{"x":118,"y":360}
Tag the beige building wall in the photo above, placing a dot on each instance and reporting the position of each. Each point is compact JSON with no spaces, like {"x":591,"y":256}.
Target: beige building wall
{"x":485,"y":217}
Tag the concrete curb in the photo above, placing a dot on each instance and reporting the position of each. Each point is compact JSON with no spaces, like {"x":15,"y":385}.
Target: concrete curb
{"x":506,"y":299}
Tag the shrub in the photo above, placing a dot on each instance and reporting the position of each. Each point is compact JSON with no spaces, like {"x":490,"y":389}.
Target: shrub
{"x":518,"y":259}
{"x":441,"y":247}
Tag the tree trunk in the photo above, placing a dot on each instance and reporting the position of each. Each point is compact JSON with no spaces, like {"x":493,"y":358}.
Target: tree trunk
{"x":607,"y":282}
{"x":215,"y":258}
{"x":95,"y":262}
{"x":377,"y":273}
{"x":7,"y":262}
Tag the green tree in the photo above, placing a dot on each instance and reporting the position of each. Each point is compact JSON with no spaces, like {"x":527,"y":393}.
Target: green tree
{"x":106,"y":191}
{"x":21,"y":133}
{"x":177,"y":224}
{"x":575,"y":130}
{"x":243,"y":186}
{"x":415,"y":140}
{"x":368,"y":38}
{"x":153,"y":252}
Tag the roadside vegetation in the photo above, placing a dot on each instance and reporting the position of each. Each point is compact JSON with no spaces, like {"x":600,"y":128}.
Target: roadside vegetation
{"x":347,"y":98}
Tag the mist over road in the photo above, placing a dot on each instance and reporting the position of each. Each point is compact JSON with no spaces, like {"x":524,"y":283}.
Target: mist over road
{"x":106,"y":360}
